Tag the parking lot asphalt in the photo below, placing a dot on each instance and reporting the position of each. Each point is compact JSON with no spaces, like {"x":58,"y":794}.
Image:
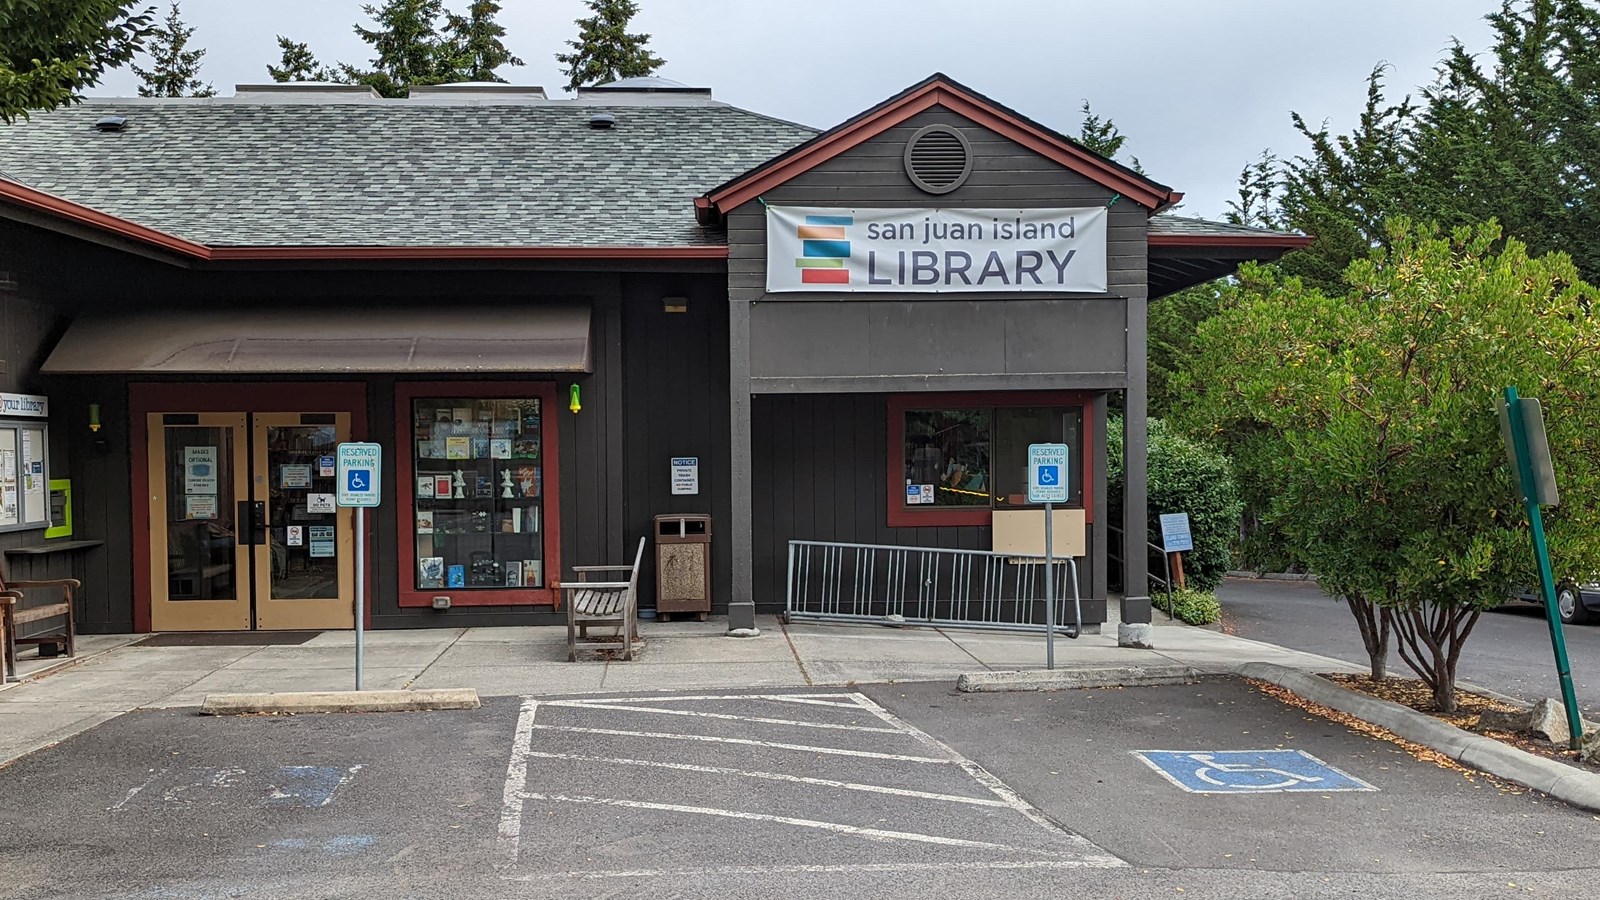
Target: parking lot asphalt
{"x":886,"y":791}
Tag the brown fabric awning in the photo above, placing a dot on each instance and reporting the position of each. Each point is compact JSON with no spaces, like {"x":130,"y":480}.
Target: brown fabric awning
{"x":356,"y":338}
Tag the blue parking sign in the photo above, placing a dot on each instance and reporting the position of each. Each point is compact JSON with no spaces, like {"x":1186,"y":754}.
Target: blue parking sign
{"x":360,"y":470}
{"x":1047,"y":473}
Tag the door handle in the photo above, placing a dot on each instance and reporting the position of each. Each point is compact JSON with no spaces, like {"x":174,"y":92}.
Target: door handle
{"x":252,"y":522}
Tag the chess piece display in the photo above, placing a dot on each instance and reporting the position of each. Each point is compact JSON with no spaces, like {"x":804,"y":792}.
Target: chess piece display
{"x":459,"y":480}
{"x":505,"y":484}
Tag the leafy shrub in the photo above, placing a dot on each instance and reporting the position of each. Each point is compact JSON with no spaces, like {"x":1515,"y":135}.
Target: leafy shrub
{"x":1184,"y":476}
{"x":1194,"y":607}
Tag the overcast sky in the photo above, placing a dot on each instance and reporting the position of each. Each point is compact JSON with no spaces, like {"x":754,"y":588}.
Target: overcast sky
{"x":1200,"y":88}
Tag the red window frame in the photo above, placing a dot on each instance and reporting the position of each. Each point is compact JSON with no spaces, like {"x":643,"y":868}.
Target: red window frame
{"x":405,"y":490}
{"x":902,"y":516}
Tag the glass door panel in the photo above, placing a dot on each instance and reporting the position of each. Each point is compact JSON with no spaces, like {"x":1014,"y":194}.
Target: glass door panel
{"x":305,"y":570}
{"x":199,"y":570}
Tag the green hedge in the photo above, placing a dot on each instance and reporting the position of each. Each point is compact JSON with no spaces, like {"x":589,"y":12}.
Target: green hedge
{"x":1192,"y":606}
{"x":1184,"y":476}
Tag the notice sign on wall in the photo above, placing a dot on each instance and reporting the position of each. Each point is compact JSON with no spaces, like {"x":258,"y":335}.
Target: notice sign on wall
{"x":902,"y":251}
{"x":686,"y":475}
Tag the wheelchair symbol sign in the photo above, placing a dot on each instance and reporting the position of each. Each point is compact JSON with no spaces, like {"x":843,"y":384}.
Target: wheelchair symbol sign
{"x":359,"y":470}
{"x":1249,"y":771}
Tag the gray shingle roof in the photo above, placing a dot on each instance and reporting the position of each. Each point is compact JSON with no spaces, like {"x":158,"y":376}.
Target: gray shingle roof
{"x":1191,"y":227}
{"x":397,"y":173}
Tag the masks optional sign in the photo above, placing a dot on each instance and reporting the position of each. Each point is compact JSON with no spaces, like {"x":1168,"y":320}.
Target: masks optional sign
{"x":913,"y":251}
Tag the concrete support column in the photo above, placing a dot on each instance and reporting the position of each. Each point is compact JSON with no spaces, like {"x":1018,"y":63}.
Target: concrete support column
{"x":741,"y":602}
{"x":1135,"y":628}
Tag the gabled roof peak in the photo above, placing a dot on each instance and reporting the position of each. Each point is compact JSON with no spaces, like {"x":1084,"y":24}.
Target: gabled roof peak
{"x":938,"y":90}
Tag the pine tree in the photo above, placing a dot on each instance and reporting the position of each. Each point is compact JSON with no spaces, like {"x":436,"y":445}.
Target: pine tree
{"x":174,"y":71}
{"x":604,"y":50}
{"x":475,"y":42}
{"x":298,"y":63}
{"x":409,"y":47}
{"x":1104,"y":137}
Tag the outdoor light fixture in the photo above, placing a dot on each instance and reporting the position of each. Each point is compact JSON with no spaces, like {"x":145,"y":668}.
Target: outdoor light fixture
{"x":575,"y":400}
{"x":441,"y":603}
{"x":674,"y":304}
{"x":94,"y":417}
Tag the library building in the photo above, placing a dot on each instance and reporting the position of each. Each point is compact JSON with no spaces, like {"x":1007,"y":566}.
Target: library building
{"x":571,"y":324}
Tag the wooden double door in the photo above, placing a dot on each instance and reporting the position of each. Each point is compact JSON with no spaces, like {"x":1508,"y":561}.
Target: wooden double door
{"x":244,"y":533}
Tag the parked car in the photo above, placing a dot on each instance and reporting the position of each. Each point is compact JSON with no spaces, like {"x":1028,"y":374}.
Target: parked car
{"x":1578,"y":604}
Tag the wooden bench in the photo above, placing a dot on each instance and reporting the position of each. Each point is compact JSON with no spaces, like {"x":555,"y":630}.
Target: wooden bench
{"x":13,"y":614}
{"x":613,"y":603}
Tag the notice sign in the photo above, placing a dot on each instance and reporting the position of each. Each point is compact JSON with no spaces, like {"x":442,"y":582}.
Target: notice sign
{"x":686,"y":475}
{"x":199,"y":470}
{"x":903,"y":251}
{"x":1175,"y":537}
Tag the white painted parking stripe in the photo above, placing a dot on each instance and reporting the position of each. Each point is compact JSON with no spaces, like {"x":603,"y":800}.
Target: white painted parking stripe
{"x":797,"y":698}
{"x":727,"y":716}
{"x":678,"y":698}
{"x":979,"y":773}
{"x":509,"y":841}
{"x":803,"y":748}
{"x":875,"y":833}
{"x":1093,"y":862}
{"x":772,"y":776}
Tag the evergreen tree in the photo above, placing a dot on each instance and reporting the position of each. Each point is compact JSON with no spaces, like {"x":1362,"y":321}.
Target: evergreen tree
{"x":298,"y":63}
{"x":604,"y":50}
{"x":1519,"y":139}
{"x":1259,"y":189}
{"x":174,"y":71}
{"x":410,"y":50}
{"x":50,"y":50}
{"x":1103,"y":137}
{"x":476,"y":42}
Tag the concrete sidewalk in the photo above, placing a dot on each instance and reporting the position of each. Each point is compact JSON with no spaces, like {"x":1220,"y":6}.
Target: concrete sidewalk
{"x":524,"y":661}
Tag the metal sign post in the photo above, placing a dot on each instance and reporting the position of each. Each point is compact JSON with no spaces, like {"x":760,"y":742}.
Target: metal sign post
{"x":359,"y":475}
{"x":1522,"y":427}
{"x":1047,"y":484}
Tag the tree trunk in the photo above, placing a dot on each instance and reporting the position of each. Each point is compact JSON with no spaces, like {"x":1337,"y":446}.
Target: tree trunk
{"x":1431,"y":639}
{"x":1375,"y":627}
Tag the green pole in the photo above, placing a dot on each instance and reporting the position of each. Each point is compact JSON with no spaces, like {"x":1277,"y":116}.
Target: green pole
{"x":1541,"y":551}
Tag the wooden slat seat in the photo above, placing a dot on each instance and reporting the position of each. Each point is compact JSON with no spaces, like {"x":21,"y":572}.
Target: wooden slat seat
{"x":20,"y":606}
{"x":614,"y":603}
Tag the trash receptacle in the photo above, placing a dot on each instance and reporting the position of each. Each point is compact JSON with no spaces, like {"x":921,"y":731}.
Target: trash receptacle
{"x":683,"y":564}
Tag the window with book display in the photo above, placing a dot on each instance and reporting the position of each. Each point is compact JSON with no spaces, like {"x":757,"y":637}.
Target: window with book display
{"x":479,"y":487}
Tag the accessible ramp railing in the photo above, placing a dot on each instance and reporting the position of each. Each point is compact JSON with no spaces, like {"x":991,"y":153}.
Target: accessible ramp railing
{"x":977,"y":589}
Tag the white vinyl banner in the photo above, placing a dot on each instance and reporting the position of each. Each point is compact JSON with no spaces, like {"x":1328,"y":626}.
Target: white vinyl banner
{"x":901,"y":251}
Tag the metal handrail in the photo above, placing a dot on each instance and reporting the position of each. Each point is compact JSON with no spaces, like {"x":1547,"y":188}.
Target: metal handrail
{"x":1165,"y":583}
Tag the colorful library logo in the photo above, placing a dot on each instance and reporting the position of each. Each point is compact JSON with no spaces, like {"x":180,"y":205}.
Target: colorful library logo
{"x":825,"y":250}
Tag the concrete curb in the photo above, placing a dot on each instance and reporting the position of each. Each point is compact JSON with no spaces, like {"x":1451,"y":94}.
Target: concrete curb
{"x":1559,"y":780}
{"x":1275,"y":576}
{"x":339,"y":702}
{"x":1067,"y":679}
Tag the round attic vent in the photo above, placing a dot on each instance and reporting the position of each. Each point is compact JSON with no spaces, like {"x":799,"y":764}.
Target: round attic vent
{"x":938,"y":159}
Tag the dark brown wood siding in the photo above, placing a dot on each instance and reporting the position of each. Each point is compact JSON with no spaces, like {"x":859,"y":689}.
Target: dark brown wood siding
{"x":58,"y":276}
{"x":676,"y":390}
{"x":821,"y":475}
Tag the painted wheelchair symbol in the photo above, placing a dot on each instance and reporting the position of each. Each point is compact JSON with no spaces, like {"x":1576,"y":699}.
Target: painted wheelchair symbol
{"x":357,"y":480}
{"x":1246,"y":776}
{"x":1249,"y":771}
{"x":1047,"y":475}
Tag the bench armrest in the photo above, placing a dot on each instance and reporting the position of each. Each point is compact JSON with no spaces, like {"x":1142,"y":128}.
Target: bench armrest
{"x":591,"y":585}
{"x":72,"y":583}
{"x":9,"y":597}
{"x":602,"y":568}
